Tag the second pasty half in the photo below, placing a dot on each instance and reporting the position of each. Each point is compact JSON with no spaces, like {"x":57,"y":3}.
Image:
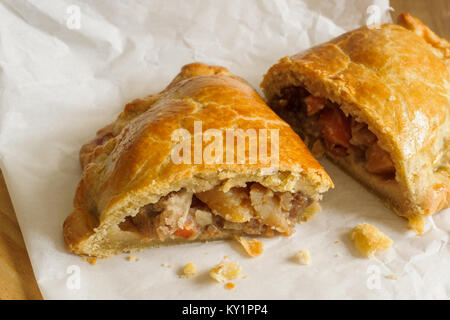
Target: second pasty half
{"x":376,"y":101}
{"x":143,"y":183}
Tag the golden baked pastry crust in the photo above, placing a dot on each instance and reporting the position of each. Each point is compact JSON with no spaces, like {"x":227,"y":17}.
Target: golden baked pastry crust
{"x":440,"y":46}
{"x":128,"y":164}
{"x":396,"y":81}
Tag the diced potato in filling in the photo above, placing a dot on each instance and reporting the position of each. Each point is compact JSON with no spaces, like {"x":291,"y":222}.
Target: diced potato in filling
{"x":233,"y":205}
{"x":268,"y":207}
{"x":203,"y":217}
{"x":174,"y":212}
{"x":253,"y":210}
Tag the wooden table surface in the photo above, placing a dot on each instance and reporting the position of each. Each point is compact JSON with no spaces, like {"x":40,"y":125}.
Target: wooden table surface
{"x":16,"y":275}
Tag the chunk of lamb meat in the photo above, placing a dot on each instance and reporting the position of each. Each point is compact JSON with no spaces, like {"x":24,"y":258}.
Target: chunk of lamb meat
{"x":270,"y":208}
{"x":379,"y":161}
{"x":336,"y":132}
{"x":361,"y":135}
{"x":314,"y":104}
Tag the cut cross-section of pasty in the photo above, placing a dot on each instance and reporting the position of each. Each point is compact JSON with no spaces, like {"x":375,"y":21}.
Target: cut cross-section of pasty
{"x":376,"y":101}
{"x":143,"y":185}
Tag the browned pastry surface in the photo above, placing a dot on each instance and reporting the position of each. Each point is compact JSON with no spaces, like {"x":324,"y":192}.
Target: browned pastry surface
{"x":128,"y":165}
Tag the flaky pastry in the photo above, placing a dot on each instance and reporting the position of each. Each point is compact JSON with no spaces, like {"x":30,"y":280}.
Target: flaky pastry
{"x":376,"y":101}
{"x":133,"y":194}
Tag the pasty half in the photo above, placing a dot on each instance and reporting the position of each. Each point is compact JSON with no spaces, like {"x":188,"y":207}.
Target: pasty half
{"x":376,"y":101}
{"x":133,"y":194}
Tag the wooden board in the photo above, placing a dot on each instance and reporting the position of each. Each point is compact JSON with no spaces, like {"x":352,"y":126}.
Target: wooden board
{"x":434,"y":13}
{"x":16,"y":275}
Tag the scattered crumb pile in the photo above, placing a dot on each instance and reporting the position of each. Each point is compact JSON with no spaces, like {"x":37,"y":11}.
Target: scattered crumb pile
{"x":225,"y":270}
{"x":91,"y":260}
{"x":368,"y":239}
{"x":253,"y":247}
{"x":166,"y":265}
{"x":190,"y":270}
{"x":303,"y":257}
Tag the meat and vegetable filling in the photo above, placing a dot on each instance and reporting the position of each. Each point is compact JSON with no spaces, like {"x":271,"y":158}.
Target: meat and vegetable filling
{"x":325,"y":127}
{"x":254,"y":210}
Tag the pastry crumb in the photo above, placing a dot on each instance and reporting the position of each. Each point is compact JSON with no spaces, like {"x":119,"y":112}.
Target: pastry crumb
{"x":131,"y":258}
{"x":245,"y":277}
{"x":167,"y":265}
{"x":392,"y":276}
{"x":253,"y":247}
{"x":309,"y":212}
{"x":337,"y":255}
{"x":230,"y":286}
{"x":336,"y":242}
{"x":90,"y":260}
{"x":225,"y":270}
{"x":368,"y":239}
{"x":303,"y":257}
{"x":190,"y":270}
{"x":416,"y":223}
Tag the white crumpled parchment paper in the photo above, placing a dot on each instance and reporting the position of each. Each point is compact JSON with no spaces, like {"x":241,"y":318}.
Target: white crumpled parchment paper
{"x":62,"y":78}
